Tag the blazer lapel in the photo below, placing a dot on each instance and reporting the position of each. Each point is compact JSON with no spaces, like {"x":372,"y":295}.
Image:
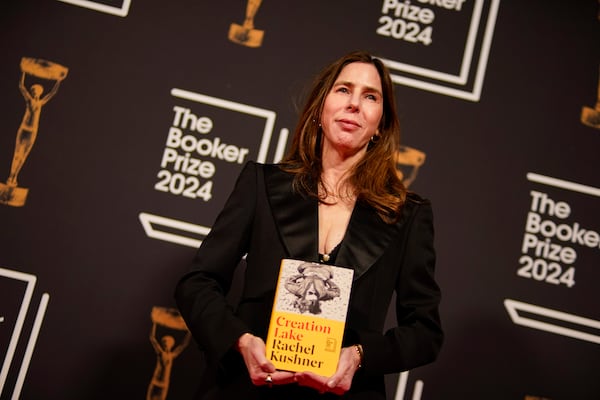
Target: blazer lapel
{"x":366,"y":239}
{"x":296,"y":217}
{"x":297,"y":220}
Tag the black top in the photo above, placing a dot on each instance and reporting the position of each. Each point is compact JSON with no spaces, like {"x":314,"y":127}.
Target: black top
{"x":331,"y":256}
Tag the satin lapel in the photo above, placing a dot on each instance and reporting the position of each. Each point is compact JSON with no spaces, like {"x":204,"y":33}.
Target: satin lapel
{"x":295,"y":216}
{"x":366,"y":239}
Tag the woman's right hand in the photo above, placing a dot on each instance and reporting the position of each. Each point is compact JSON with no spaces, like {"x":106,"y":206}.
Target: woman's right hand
{"x":340,"y":382}
{"x":252,"y":349}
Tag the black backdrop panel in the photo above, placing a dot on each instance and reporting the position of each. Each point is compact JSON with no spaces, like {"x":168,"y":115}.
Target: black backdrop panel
{"x":161,"y":103}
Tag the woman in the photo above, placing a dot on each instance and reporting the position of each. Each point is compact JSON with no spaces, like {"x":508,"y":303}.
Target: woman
{"x":336,"y":198}
{"x":312,"y":285}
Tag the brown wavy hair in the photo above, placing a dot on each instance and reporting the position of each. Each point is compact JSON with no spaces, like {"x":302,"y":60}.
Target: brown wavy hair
{"x":374,"y":178}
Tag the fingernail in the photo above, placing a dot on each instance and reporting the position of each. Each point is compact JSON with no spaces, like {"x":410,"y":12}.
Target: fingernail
{"x":331,"y":384}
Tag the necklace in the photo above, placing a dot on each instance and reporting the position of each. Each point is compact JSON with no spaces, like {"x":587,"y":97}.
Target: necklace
{"x":326,"y":257}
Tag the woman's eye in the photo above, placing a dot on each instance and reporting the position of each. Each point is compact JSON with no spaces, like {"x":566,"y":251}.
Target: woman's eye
{"x":343,"y":89}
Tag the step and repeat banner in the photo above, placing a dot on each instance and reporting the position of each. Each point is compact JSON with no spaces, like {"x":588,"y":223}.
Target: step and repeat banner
{"x":124,"y":124}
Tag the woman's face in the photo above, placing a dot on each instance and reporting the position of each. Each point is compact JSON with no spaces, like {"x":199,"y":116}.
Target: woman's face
{"x":352,"y":110}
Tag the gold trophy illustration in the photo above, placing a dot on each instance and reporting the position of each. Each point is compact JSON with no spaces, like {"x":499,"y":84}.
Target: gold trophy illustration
{"x":167,"y":349}
{"x":10,"y":193}
{"x":408,"y":162}
{"x":591,"y":116}
{"x":246,"y":34}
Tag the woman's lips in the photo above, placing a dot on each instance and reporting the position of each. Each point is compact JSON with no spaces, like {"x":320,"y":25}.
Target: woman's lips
{"x":348,"y":124}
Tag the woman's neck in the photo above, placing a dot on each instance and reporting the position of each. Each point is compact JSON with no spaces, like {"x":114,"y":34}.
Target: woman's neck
{"x":336,"y":169}
{"x":339,"y":160}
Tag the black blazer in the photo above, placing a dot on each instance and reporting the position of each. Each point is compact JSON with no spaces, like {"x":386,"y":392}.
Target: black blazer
{"x":264,"y":219}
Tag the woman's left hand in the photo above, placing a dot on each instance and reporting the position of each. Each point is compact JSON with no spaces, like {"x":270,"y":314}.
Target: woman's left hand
{"x":340,"y":382}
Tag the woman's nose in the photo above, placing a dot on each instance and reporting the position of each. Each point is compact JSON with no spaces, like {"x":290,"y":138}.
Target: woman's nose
{"x":352,"y":104}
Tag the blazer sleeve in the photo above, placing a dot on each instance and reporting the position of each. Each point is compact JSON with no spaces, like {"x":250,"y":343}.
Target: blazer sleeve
{"x":200,"y":294}
{"x":418,"y":336}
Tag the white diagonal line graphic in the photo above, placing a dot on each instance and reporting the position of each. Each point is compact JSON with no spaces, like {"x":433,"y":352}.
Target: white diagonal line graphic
{"x":152,"y":224}
{"x":514,"y":307}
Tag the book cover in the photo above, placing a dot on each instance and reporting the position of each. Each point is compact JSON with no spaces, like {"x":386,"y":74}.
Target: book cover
{"x":309,"y":315}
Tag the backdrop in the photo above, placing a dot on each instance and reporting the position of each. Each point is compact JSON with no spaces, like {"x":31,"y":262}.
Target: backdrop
{"x":124,"y":124}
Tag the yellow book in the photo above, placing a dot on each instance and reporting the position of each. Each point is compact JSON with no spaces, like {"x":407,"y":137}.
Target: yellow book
{"x":309,"y":315}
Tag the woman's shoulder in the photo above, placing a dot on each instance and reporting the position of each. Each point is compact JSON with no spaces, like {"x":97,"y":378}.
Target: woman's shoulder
{"x":416,"y":199}
{"x":259,"y":167}
{"x":263,"y":166}
{"x":267,"y":168}
{"x":270,"y":173}
{"x":415,"y":202}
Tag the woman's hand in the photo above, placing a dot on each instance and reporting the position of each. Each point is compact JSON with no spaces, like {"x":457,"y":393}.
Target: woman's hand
{"x":340,"y":382}
{"x":252,"y":349}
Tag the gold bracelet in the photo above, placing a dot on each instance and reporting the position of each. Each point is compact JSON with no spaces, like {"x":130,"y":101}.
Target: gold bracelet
{"x":361,"y":354}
